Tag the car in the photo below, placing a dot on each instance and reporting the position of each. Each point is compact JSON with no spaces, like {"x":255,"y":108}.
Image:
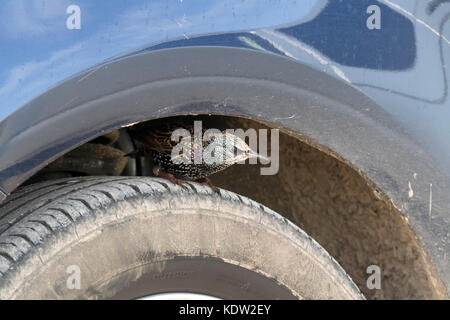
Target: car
{"x":346,"y":102}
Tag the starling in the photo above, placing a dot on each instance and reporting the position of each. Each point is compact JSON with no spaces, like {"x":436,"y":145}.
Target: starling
{"x":218,"y":150}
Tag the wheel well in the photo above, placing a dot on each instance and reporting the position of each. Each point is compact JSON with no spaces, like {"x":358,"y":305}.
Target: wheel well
{"x":314,"y":188}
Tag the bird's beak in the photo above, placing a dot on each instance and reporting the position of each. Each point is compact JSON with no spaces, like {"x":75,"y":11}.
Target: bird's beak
{"x":254,"y":154}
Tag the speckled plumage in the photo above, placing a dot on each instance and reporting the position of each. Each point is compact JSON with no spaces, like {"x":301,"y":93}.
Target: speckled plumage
{"x":156,"y":142}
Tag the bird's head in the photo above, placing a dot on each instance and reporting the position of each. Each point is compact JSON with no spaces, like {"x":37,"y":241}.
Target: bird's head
{"x":232,"y":148}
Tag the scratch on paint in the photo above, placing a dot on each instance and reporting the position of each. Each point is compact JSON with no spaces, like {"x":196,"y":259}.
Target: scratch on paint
{"x":340,"y":73}
{"x":277,"y":46}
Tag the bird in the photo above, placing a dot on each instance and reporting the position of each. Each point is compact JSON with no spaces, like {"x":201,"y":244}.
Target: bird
{"x":176,"y":159}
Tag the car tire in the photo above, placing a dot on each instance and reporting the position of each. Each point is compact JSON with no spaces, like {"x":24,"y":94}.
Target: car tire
{"x":133,"y":237}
